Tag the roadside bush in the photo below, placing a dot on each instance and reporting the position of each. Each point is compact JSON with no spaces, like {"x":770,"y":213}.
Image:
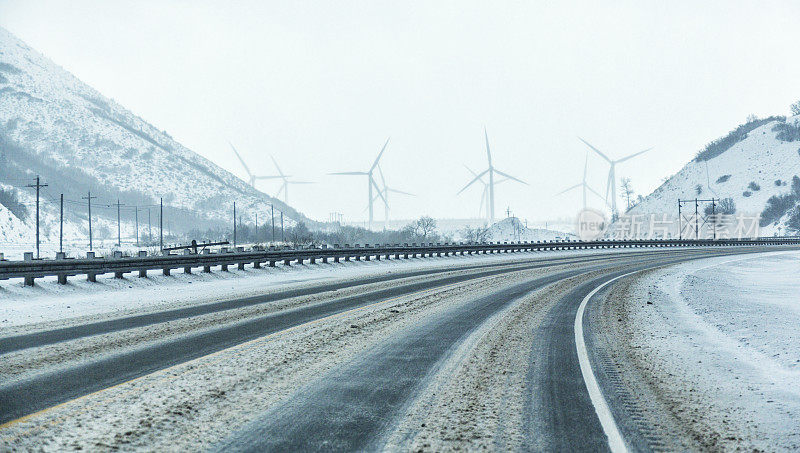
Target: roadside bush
{"x":746,"y":193}
{"x":723,"y":178}
{"x":793,"y":224}
{"x":796,"y":186}
{"x":776,"y":207}
{"x":787,"y":132}
{"x":8,"y":198}
{"x":726,"y":206}
{"x":753,"y":186}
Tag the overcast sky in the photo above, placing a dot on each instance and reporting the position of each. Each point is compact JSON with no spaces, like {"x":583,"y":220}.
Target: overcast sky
{"x":321,"y":85}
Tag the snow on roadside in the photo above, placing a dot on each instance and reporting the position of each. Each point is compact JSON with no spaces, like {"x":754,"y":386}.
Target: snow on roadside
{"x":720,"y":341}
{"x":51,"y":303}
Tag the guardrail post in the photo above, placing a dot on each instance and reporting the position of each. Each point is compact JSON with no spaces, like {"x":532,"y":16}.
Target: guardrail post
{"x":287,"y":262}
{"x":142,"y":272}
{"x":28,"y":256}
{"x":206,"y":267}
{"x":187,"y":269}
{"x":366,"y":252}
{"x":166,"y":270}
{"x":62,"y":278}
{"x":91,"y":276}
{"x":118,"y":256}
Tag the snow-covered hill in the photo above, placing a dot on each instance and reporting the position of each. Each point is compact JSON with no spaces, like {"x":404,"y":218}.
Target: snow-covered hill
{"x":754,"y":166}
{"x":53,"y":125}
{"x":512,"y":229}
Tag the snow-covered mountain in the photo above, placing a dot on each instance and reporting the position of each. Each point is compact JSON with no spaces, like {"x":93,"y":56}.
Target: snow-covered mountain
{"x":754,"y":166}
{"x":53,"y":125}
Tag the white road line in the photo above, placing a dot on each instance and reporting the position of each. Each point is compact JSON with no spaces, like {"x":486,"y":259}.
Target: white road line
{"x":615,"y":441}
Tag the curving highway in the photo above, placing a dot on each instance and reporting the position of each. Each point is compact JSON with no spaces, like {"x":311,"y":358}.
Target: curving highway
{"x":477,"y":355}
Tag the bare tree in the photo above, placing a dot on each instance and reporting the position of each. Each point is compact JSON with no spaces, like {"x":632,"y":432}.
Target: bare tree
{"x":627,"y":191}
{"x":479,"y":234}
{"x":795,"y":108}
{"x":424,"y":226}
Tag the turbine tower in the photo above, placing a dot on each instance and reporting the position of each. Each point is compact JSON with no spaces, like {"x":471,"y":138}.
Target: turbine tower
{"x":286,"y":182}
{"x":611,"y":185}
{"x":252,"y":178}
{"x":491,"y":171}
{"x":371,"y":184}
{"x":583,"y":183}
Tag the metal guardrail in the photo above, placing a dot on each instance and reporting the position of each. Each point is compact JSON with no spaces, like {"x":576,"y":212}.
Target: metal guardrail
{"x":92,"y":266}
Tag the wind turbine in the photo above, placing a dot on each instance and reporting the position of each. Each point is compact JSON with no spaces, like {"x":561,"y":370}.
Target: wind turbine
{"x":251,"y":176}
{"x":611,"y":184}
{"x":583,"y":183}
{"x":491,"y":171}
{"x":485,"y":193}
{"x":285,"y":186}
{"x":370,"y":182}
{"x":386,"y":190}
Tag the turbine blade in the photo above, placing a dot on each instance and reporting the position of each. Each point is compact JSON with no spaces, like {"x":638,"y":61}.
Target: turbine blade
{"x":300,"y":182}
{"x":595,"y":150}
{"x":383,"y":180}
{"x":246,"y":168}
{"x":593,"y":191}
{"x":400,"y":192}
{"x":471,"y":182}
{"x":277,"y":167}
{"x":569,"y":188}
{"x":378,"y":189}
{"x":585,"y":167}
{"x":488,"y":152}
{"x":510,"y":177}
{"x":377,"y":159}
{"x":350,"y":173}
{"x":267,"y":177}
{"x":632,"y":155}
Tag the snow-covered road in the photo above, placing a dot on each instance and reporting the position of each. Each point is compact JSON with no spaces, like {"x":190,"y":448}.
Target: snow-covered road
{"x":493,"y":363}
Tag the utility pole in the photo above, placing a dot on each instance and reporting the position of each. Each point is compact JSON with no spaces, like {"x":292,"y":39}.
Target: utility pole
{"x":283,"y":236}
{"x":149,"y":228}
{"x":272,"y":210}
{"x":136,"y":216}
{"x":119,"y":227}
{"x":234,"y":224}
{"x":714,"y":215}
{"x":161,"y":225}
{"x":37,"y":186}
{"x":680,"y":221}
{"x":696,"y":220}
{"x":61,"y":226}
{"x":88,"y":198}
{"x":256,"y":236}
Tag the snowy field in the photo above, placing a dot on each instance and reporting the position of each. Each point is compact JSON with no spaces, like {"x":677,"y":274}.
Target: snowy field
{"x":719,"y":339}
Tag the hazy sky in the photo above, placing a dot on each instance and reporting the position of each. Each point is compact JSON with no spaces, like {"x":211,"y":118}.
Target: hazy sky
{"x":321,"y":85}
